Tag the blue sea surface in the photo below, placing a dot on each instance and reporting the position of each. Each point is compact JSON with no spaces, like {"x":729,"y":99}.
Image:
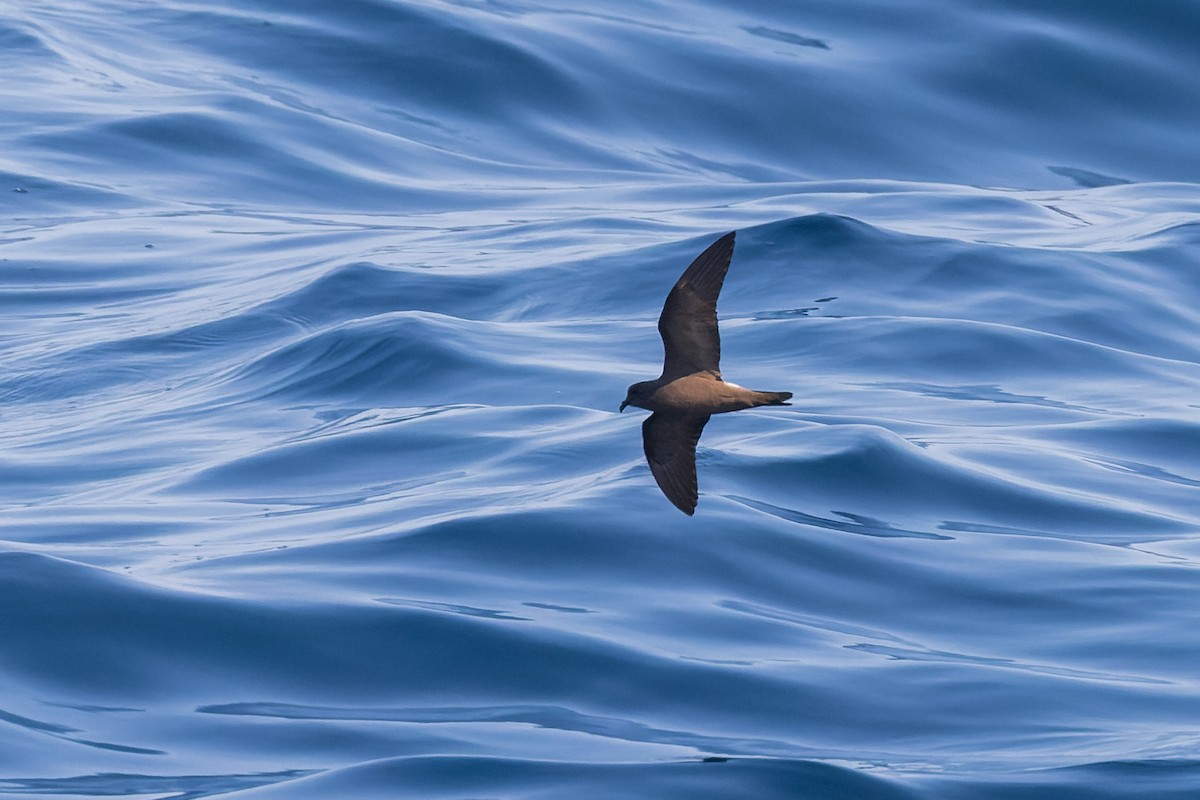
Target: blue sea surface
{"x":316,"y":318}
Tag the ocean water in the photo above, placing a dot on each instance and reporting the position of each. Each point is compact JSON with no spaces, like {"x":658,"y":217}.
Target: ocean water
{"x":316,"y":318}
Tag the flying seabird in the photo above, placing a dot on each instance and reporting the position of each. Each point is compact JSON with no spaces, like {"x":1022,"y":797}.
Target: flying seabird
{"x":690,"y":389}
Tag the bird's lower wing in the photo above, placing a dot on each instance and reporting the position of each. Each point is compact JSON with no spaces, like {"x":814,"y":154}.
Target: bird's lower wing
{"x":670,"y":444}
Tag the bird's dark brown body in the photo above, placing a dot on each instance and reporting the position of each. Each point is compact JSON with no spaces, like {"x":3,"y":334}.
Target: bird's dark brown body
{"x":700,"y":391}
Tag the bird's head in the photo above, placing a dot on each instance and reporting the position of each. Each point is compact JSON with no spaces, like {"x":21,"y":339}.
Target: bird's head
{"x":637,"y":394}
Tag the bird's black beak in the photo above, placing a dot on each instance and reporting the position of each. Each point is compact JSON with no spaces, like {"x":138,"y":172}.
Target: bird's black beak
{"x":623,"y":404}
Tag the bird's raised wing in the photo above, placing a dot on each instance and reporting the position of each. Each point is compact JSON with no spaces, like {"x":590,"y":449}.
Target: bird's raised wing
{"x":670,"y":444}
{"x":688,"y":323}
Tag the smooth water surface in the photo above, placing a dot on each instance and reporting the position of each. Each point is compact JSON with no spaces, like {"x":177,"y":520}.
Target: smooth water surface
{"x":316,"y":320}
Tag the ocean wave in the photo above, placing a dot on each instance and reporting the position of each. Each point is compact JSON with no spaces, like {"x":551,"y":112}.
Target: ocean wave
{"x":317,"y":318}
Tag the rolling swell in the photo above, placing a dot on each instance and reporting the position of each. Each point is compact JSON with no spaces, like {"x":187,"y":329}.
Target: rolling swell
{"x":316,"y":321}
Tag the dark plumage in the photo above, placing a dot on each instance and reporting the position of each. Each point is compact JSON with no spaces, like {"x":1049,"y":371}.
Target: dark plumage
{"x":690,"y":389}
